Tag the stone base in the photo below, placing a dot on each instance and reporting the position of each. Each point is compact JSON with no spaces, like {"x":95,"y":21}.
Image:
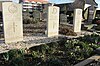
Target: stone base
{"x":78,"y":33}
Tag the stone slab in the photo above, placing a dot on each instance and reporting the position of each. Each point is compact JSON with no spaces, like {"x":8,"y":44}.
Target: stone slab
{"x":77,"y":20}
{"x":53,"y":21}
{"x":12,"y":20}
{"x":88,"y":60}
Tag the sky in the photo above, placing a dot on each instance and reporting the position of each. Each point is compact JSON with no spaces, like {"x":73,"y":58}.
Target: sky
{"x":54,"y":1}
{"x":15,"y":1}
{"x":61,"y":1}
{"x":64,"y":1}
{"x":68,"y":1}
{"x":98,"y":1}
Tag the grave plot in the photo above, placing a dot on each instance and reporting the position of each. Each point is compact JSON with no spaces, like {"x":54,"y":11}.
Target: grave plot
{"x":34,"y":28}
{"x":32,"y":24}
{"x":66,"y":30}
{"x":13,"y":27}
{"x":34,"y":33}
{"x":40,"y":49}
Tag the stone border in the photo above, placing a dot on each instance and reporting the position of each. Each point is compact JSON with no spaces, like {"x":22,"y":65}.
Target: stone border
{"x":87,"y":61}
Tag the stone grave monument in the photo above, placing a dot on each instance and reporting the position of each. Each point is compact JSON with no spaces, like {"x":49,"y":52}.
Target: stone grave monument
{"x":53,"y":21}
{"x":77,"y":20}
{"x":12,"y":20}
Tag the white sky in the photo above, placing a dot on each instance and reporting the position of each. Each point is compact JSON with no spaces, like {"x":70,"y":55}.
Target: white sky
{"x":15,"y":1}
{"x":98,"y":1}
{"x":61,"y":1}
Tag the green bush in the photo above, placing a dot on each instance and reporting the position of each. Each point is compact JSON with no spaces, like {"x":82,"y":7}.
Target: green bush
{"x":93,"y":38}
{"x":65,"y":52}
{"x":15,"y":57}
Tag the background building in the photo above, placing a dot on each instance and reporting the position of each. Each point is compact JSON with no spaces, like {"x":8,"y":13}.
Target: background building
{"x":30,"y":5}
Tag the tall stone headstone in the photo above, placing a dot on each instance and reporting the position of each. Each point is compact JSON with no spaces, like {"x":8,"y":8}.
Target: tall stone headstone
{"x":53,"y":21}
{"x":77,"y":20}
{"x":0,"y":6}
{"x":12,"y":20}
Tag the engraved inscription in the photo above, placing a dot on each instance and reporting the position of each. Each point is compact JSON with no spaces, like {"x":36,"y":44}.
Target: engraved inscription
{"x":12,"y":8}
{"x":13,"y":26}
{"x":54,"y":11}
{"x":78,"y":12}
